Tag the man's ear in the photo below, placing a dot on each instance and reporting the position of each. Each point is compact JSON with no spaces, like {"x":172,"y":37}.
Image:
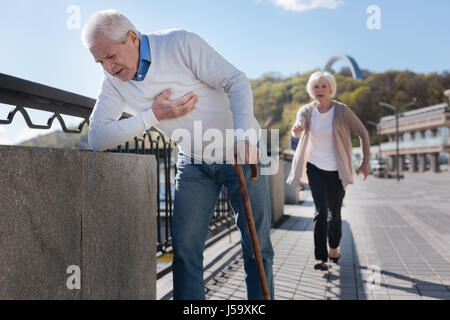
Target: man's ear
{"x":133,"y":38}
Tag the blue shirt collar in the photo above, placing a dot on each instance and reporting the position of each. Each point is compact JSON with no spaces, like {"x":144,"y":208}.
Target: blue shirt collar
{"x":145,"y":59}
{"x":144,"y":50}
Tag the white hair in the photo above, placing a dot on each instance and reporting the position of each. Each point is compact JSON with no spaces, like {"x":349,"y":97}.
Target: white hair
{"x":316,"y":76}
{"x":110,"y":23}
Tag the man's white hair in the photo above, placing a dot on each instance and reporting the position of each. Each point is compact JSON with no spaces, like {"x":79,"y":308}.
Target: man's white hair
{"x":316,"y":76}
{"x":110,"y":23}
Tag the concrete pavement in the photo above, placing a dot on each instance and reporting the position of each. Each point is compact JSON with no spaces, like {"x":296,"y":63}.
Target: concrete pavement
{"x":395,"y":245}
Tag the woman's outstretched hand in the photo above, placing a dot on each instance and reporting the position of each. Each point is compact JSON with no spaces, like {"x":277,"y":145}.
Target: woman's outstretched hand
{"x":297,"y":129}
{"x":365,"y":170}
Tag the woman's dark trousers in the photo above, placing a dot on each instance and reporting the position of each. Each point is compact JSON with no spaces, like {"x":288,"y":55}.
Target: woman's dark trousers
{"x":328,"y":194}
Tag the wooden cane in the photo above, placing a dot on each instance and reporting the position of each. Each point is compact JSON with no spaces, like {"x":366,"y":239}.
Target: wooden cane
{"x":251,"y":224}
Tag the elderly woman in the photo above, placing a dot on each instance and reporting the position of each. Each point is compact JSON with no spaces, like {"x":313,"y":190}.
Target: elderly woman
{"x":323,"y":160}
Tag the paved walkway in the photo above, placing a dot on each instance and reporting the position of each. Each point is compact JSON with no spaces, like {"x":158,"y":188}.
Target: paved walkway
{"x":395,"y":245}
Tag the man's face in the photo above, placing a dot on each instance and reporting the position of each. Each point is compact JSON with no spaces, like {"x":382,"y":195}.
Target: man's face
{"x":121,"y":60}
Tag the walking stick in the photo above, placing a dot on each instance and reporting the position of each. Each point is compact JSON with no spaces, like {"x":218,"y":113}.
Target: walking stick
{"x":251,"y":224}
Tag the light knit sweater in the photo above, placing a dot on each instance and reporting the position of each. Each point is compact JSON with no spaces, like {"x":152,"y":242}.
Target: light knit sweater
{"x":184,"y":62}
{"x":344,"y":123}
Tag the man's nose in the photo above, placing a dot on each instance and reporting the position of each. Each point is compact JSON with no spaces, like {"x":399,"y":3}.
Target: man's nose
{"x":109,"y":66}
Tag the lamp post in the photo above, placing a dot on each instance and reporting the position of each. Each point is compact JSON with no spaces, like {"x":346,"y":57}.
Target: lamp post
{"x":395,"y":109}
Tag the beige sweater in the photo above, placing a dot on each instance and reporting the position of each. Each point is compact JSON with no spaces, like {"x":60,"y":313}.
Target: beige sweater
{"x":344,"y":122}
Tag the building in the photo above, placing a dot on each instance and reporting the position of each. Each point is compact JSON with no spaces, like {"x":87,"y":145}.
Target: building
{"x":424,"y":142}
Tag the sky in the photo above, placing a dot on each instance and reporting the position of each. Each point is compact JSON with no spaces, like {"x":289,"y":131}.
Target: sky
{"x":41,"y":39}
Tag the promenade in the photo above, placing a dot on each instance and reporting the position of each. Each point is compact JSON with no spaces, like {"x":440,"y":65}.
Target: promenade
{"x":395,"y":245}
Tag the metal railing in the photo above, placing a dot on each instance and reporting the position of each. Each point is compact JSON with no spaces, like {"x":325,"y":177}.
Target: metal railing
{"x":22,"y":94}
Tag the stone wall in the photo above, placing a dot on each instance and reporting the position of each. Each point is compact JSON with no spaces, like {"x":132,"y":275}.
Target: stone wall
{"x":276,"y":189}
{"x":77,"y":225}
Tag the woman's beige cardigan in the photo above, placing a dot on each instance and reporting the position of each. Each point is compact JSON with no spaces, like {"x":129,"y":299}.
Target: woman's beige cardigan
{"x":344,"y":122}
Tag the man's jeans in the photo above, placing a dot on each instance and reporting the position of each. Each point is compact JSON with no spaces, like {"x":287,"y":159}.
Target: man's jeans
{"x":328,"y":194}
{"x":197,"y":188}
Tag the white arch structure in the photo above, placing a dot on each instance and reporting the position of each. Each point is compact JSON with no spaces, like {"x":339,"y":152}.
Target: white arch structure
{"x":356,"y":72}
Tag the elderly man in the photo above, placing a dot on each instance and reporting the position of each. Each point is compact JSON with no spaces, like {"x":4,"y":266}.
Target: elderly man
{"x":142,"y":71}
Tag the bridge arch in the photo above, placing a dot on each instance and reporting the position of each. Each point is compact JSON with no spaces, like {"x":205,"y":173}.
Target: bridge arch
{"x":356,"y":72}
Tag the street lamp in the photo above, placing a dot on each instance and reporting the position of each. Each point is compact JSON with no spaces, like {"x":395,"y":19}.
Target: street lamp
{"x":395,"y":109}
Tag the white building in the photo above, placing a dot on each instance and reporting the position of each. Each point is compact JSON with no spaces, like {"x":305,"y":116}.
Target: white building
{"x":424,"y":138}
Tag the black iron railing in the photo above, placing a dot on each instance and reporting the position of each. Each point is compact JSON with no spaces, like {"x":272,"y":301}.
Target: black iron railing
{"x":22,"y":95}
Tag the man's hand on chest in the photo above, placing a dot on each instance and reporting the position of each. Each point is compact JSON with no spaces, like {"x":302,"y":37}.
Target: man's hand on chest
{"x":165,"y":109}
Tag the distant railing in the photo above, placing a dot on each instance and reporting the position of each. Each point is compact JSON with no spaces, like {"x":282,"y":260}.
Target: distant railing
{"x":21,"y":94}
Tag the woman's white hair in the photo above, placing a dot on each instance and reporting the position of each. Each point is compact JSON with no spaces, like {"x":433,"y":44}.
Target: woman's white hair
{"x":111,"y":23}
{"x":316,"y":76}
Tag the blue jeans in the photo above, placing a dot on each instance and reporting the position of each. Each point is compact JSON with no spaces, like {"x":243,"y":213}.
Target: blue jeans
{"x":197,"y":188}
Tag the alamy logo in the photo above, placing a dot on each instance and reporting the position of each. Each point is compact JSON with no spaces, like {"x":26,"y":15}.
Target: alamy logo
{"x":213,"y":145}
{"x":74,"y":280}
{"x":374,"y":20}
{"x":374,"y":278}
{"x":74,"y":20}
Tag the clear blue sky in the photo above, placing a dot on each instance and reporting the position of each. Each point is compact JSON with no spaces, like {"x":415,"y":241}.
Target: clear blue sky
{"x":258,"y":36}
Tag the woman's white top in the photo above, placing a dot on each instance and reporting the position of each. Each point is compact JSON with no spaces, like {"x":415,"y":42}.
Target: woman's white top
{"x":322,"y":153}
